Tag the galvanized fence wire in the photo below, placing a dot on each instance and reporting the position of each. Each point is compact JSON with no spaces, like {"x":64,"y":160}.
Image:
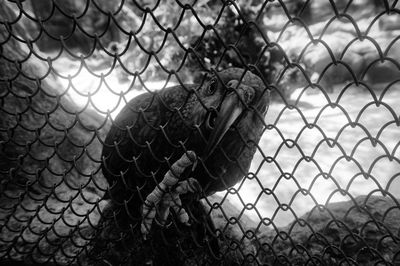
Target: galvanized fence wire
{"x":52,"y":185}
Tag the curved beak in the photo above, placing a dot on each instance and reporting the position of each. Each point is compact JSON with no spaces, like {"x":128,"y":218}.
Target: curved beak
{"x":231,"y":108}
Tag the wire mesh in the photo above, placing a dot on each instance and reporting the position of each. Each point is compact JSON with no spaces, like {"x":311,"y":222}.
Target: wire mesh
{"x":322,"y":187}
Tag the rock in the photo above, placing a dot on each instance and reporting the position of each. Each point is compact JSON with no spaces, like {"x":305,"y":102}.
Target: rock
{"x":390,"y":23}
{"x":340,"y":38}
{"x":363,"y":230}
{"x":324,"y":10}
{"x":382,"y":71}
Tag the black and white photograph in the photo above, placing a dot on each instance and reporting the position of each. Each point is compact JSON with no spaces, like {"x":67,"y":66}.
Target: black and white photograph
{"x":200,"y":132}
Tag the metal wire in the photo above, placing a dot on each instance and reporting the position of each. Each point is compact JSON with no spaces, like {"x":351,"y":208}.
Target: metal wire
{"x":52,"y":208}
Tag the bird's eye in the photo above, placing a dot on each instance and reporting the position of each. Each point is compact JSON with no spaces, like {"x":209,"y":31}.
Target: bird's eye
{"x":212,"y":88}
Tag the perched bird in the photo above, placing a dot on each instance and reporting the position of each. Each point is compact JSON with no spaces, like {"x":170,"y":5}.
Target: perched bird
{"x":218,"y":123}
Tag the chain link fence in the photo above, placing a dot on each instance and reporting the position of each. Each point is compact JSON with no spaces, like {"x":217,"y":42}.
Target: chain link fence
{"x":324,"y":180}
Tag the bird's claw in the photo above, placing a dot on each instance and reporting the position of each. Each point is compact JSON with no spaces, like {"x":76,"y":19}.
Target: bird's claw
{"x":167,"y":193}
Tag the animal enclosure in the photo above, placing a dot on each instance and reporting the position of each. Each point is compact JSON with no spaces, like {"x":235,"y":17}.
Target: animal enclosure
{"x":323,"y":186}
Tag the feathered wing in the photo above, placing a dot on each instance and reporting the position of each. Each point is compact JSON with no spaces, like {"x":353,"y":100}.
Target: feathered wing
{"x":132,"y":132}
{"x":139,"y":140}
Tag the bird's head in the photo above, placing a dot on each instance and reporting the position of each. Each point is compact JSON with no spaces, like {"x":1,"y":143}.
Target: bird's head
{"x":231,"y":97}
